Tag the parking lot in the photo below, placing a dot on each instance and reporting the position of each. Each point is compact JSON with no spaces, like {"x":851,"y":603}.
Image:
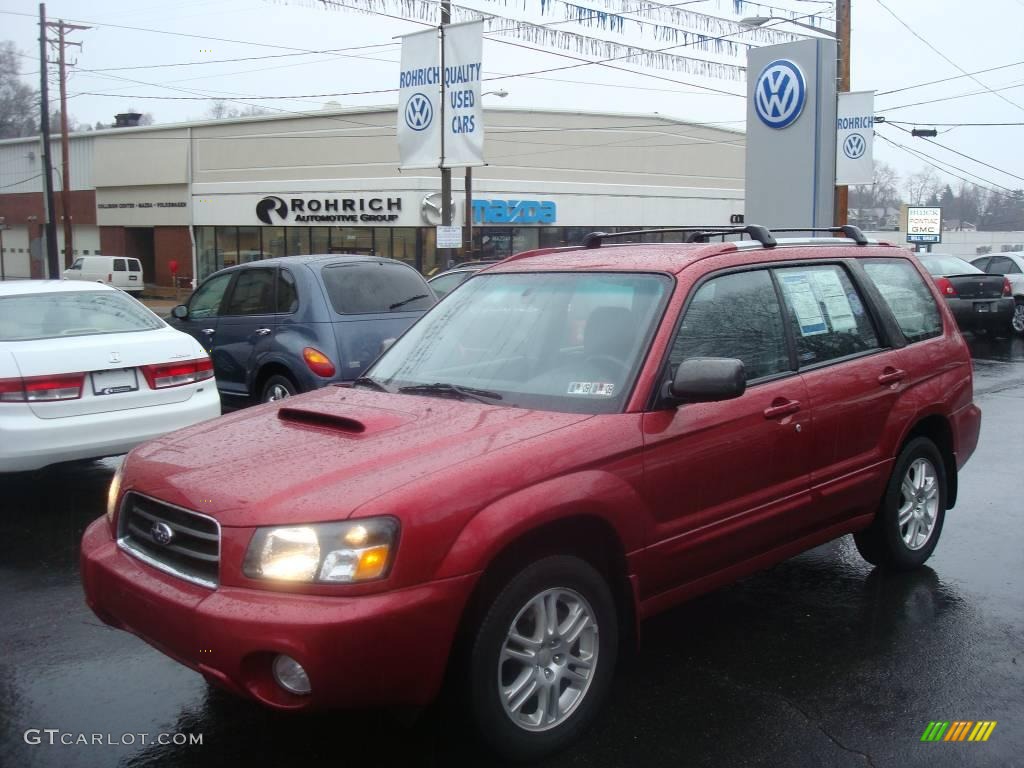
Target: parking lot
{"x":821,"y":660}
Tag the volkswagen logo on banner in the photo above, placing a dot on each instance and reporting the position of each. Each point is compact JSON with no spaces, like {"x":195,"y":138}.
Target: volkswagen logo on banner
{"x":268,"y":204}
{"x":854,"y":146}
{"x":419,"y":112}
{"x":780,"y":94}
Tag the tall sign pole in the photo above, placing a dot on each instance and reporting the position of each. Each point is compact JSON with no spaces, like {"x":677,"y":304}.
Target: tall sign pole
{"x":843,"y":82}
{"x":446,"y":173}
{"x":52,"y":263}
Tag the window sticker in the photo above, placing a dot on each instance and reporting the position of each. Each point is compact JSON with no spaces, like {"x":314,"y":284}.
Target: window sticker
{"x":804,"y":304}
{"x":591,"y":388}
{"x":830,"y":291}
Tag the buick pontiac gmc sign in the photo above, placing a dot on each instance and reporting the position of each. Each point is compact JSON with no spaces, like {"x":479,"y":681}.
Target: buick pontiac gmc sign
{"x":328,"y":210}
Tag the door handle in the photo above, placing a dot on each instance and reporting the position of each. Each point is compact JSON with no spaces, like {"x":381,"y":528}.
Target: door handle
{"x":208,"y":331}
{"x":891,"y":376}
{"x":262,"y":331}
{"x":781,"y":407}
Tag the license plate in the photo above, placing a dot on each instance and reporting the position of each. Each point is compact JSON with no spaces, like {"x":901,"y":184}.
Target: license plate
{"x":983,"y":307}
{"x":115,"y":381}
{"x":133,"y":277}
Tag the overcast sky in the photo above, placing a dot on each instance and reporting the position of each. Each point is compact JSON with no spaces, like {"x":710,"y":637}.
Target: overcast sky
{"x":886,"y":56}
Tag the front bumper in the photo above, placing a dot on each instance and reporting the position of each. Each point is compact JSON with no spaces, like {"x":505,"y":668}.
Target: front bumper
{"x":388,"y":649}
{"x":31,"y":443}
{"x":998,"y":313}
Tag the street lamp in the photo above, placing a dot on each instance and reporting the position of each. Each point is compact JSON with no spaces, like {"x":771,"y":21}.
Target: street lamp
{"x":842,"y":38}
{"x":467,"y":240}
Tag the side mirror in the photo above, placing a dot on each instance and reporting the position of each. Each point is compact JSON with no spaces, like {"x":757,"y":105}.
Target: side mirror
{"x":708,"y":380}
{"x":180,"y":311}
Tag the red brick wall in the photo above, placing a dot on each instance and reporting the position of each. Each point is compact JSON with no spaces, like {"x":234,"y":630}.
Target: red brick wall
{"x":172,"y":243}
{"x":16,"y":208}
{"x":112,"y":241}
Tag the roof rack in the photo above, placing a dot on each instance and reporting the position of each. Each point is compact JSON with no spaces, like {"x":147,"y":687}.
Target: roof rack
{"x":694,"y":234}
{"x":852,"y":232}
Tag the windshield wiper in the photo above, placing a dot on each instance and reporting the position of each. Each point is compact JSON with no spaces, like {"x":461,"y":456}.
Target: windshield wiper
{"x":368,"y":382}
{"x":403,"y":302}
{"x":441,"y":388}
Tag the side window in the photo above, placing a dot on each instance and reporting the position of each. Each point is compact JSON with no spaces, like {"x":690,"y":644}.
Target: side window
{"x":119,"y":265}
{"x":253,"y":293}
{"x":205,"y":302}
{"x":736,"y":315}
{"x":1001,"y":265}
{"x":77,"y":264}
{"x":1013,"y":268}
{"x":287,"y":296}
{"x":826,"y":313}
{"x":982,"y":263}
{"x":907,"y":295}
{"x":134,"y":265}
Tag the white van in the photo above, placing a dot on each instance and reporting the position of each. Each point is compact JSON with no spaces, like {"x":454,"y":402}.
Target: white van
{"x":118,"y":271}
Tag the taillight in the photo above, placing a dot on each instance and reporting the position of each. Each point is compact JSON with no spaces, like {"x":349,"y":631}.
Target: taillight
{"x":110,"y":277}
{"x":40,"y":389}
{"x":945,"y":287}
{"x":177,"y":374}
{"x":318,"y":362}
{"x":1007,"y":290}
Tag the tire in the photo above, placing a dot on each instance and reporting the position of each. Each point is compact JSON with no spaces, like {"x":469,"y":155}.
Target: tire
{"x":1017,"y":323}
{"x":576,"y":590}
{"x":886,"y":542}
{"x":277,"y":387}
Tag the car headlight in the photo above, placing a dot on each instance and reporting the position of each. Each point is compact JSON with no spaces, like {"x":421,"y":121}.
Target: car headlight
{"x":326,"y":553}
{"x":113,"y":492}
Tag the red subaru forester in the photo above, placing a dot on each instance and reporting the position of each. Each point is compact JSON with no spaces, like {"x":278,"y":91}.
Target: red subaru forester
{"x":572,"y":441}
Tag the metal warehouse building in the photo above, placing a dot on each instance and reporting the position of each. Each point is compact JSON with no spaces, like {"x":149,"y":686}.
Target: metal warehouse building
{"x":211,"y":194}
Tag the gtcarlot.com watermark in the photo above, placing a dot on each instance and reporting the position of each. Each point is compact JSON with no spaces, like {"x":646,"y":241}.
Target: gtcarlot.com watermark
{"x":55,"y":736}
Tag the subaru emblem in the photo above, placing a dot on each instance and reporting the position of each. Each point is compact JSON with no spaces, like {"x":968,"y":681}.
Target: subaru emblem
{"x":115,"y":357}
{"x":162,"y":533}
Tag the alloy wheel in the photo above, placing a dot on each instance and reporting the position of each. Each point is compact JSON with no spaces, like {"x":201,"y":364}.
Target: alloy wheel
{"x":277,"y":392}
{"x":1018,"y":317}
{"x":919,"y":504}
{"x":548,"y":659}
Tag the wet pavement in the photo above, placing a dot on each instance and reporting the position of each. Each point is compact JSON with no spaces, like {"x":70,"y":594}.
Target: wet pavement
{"x":819,"y":661}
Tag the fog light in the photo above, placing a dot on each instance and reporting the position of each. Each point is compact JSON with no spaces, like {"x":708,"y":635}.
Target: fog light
{"x":290,"y":675}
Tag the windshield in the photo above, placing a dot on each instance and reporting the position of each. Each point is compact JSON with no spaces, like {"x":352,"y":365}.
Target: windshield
{"x":568,"y":342}
{"x":81,"y":313}
{"x":938,"y":265}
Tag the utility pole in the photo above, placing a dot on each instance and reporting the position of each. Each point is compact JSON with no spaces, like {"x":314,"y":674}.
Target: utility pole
{"x":65,"y":185}
{"x":50,"y":227}
{"x":446,"y":173}
{"x":843,"y":41}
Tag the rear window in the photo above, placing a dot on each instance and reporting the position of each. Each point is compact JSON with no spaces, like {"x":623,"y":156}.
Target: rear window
{"x":947,"y":265}
{"x":86,"y":313}
{"x":908,"y":297}
{"x":367,"y":287}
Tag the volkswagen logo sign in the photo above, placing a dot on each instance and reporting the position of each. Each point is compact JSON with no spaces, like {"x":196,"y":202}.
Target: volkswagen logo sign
{"x":271,"y":204}
{"x":854,"y":146}
{"x":780,"y":94}
{"x":162,"y":533}
{"x":419,"y":112}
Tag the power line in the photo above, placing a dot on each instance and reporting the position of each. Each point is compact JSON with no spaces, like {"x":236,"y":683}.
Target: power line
{"x":946,"y":58}
{"x":966,"y":157}
{"x":7,"y":186}
{"x":932,"y":160}
{"x":952,"y":98}
{"x":947,"y":79}
{"x":950,"y":125}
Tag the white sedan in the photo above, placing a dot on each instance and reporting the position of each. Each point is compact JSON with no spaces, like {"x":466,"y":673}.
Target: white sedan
{"x":87,"y":371}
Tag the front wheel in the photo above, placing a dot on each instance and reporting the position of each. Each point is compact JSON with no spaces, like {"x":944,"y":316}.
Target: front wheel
{"x":277,"y":387}
{"x":543,"y":658}
{"x":906,"y":529}
{"x":1018,"y":317}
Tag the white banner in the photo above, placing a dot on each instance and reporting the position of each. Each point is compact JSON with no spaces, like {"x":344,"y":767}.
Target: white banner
{"x":463,"y":112}
{"x":855,"y":138}
{"x":419,"y":101}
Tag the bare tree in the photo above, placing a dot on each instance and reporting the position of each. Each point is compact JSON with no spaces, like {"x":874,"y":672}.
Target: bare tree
{"x":18,"y":102}
{"x":219,"y":110}
{"x":922,"y":186}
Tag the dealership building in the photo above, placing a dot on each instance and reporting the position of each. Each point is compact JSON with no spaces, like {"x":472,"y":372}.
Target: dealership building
{"x":201,"y":196}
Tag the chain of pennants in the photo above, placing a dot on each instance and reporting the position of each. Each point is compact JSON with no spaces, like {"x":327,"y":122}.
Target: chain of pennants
{"x":705,"y":31}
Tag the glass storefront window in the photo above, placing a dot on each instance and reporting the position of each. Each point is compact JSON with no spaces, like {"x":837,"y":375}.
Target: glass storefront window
{"x":206,"y":252}
{"x":249,"y":244}
{"x":431,"y":264}
{"x":227,"y":246}
{"x":298,"y":241}
{"x":524,"y":239}
{"x":550,"y":237}
{"x":403,"y":245}
{"x":273,"y":242}
{"x":351,"y":240}
{"x":382,"y":242}
{"x":319,"y":240}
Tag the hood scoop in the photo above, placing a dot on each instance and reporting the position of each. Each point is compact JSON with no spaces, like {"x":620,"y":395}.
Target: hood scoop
{"x":352,"y":421}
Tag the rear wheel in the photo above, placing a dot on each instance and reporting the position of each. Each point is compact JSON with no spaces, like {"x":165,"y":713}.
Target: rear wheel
{"x":1018,"y":317}
{"x":543,"y":657}
{"x":277,"y":387}
{"x":906,"y":529}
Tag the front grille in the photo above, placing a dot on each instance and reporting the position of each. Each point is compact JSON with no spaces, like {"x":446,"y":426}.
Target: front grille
{"x":193,"y":551}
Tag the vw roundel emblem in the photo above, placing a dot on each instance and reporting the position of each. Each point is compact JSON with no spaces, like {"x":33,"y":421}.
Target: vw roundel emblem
{"x":780,"y":94}
{"x":162,"y":533}
{"x":419,"y":112}
{"x":854,"y":146}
